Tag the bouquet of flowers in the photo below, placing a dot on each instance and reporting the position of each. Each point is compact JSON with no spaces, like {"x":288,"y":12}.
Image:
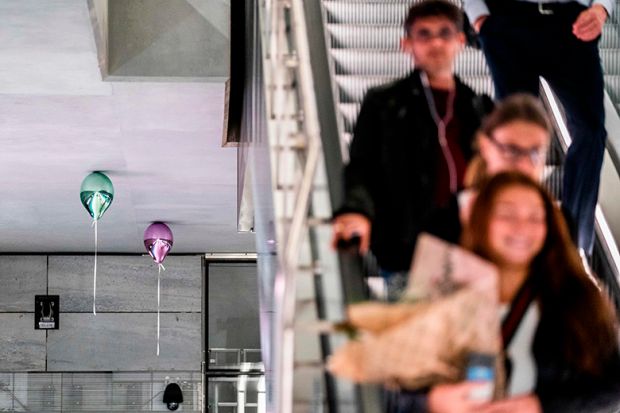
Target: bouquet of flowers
{"x":449,"y":310}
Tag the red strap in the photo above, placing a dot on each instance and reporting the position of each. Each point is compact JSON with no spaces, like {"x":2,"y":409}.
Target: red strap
{"x":519,"y":306}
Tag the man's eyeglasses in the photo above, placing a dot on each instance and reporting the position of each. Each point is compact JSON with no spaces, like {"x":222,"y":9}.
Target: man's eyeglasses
{"x":425,"y":35}
{"x":513,"y":153}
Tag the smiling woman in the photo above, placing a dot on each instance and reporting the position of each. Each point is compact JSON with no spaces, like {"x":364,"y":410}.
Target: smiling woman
{"x":516,"y":228}
{"x":564,"y":337}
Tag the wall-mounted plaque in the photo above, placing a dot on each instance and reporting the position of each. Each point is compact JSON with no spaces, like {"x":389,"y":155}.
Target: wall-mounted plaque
{"x":46,"y":312}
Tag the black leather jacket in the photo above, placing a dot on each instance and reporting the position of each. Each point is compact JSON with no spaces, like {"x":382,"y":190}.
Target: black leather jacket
{"x":393,"y":162}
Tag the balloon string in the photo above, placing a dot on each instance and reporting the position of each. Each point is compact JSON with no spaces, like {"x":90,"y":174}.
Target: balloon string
{"x":158,"y":301}
{"x":95,"y":273}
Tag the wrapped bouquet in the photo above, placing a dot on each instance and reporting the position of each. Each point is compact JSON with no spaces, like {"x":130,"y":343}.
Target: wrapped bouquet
{"x":449,"y":311}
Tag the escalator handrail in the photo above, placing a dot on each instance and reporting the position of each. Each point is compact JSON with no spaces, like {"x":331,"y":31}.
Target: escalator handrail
{"x":608,"y":238}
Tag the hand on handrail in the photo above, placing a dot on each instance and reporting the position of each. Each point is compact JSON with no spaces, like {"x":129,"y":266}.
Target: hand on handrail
{"x":351,"y":231}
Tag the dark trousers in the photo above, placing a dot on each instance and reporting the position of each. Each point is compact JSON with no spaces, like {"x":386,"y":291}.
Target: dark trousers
{"x":522,"y":44}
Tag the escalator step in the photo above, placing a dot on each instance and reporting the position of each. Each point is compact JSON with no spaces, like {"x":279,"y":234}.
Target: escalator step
{"x":480,"y":83}
{"x":555,"y":156}
{"x":610,"y":38}
{"x":378,"y":37}
{"x":371,"y":1}
{"x":391,"y":14}
{"x":470,"y":62}
{"x":407,"y":2}
{"x":366,"y":13}
{"x":387,"y":37}
{"x":370,"y":62}
{"x":352,"y":89}
{"x":612,"y":84}
{"x":611,"y":61}
{"x":349,"y":112}
{"x":552,"y":180}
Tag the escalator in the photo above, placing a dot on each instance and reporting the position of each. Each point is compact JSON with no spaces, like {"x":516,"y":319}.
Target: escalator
{"x":363,"y":38}
{"x":610,"y":56}
{"x":319,"y":58}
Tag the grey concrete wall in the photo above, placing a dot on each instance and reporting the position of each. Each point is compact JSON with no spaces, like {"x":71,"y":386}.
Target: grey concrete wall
{"x":124,"y":342}
{"x":179,"y":38}
{"x":22,"y":348}
{"x":122,"y":336}
{"x":126,"y":283}
{"x":108,"y":362}
{"x":22,"y":277}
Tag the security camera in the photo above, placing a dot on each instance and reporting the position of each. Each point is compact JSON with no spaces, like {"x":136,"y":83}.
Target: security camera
{"x":173,"y":396}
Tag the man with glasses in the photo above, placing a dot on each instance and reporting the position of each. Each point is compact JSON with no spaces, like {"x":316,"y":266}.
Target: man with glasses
{"x":516,"y":153}
{"x":558,"y":40}
{"x":519,"y":146}
{"x":412,"y":142}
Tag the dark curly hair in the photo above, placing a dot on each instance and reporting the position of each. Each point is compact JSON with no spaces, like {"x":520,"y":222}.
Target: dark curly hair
{"x":434,"y":8}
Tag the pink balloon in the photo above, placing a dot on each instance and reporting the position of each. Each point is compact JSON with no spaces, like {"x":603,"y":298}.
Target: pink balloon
{"x":158,"y":241}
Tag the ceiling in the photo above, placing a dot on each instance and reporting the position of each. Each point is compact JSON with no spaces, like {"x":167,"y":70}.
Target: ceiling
{"x":159,"y":142}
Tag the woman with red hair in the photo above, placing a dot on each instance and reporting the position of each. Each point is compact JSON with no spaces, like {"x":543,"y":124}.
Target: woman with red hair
{"x":562,"y":345}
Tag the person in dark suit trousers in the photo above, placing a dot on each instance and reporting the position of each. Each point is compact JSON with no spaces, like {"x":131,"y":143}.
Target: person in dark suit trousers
{"x":558,"y":40}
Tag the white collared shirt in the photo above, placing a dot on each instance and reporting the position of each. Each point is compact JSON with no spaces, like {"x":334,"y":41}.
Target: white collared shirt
{"x":477,"y":8}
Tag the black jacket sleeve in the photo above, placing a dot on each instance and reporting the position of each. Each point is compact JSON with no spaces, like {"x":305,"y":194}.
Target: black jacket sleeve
{"x":360,"y":174}
{"x":445,"y":223}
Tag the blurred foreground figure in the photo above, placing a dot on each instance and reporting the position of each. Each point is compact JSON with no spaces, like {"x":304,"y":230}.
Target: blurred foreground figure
{"x":562,"y":355}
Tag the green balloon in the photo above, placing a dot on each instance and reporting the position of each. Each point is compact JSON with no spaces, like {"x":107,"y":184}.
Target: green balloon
{"x":96,"y":194}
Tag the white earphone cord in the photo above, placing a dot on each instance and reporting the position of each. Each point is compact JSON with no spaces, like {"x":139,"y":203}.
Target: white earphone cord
{"x":442,"y":125}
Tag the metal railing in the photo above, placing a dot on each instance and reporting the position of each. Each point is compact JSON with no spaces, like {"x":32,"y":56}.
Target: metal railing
{"x":296,"y":78}
{"x":610,"y":53}
{"x":102,"y":391}
{"x":295,"y":143}
{"x":606,"y":257}
{"x":305,"y":179}
{"x":239,"y":395}
{"x":239,"y":356}
{"x":235,"y":381}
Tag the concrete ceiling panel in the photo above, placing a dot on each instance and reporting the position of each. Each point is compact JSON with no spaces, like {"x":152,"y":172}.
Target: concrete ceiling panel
{"x":171,"y":106}
{"x":48,"y":48}
{"x":158,"y":142}
{"x":215,"y":12}
{"x":168,"y":38}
